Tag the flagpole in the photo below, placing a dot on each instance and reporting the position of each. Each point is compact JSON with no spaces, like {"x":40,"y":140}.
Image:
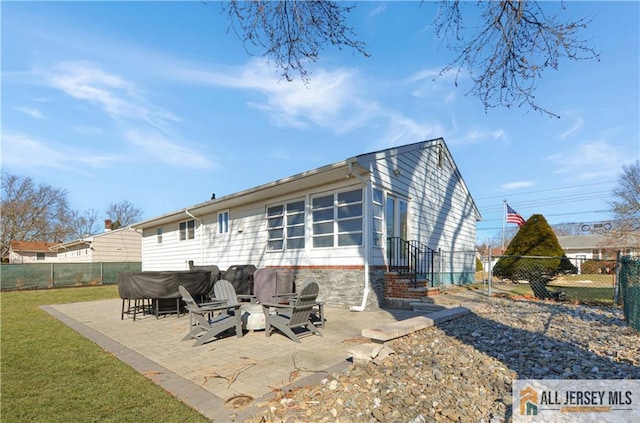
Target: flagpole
{"x":504,"y":220}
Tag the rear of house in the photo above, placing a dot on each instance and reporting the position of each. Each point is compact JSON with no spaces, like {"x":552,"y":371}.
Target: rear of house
{"x":337,"y":224}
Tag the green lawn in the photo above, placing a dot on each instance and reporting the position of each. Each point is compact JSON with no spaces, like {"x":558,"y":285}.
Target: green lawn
{"x":585,"y":295}
{"x":51,"y":373}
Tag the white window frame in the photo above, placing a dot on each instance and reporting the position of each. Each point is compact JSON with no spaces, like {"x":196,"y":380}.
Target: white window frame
{"x":223,"y":222}
{"x":284,"y":225}
{"x":188,"y":232}
{"x":378,"y":218}
{"x":335,"y":220}
{"x":159,"y":235}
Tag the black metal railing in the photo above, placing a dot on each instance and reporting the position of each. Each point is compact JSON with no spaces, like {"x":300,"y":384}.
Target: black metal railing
{"x":411,"y":258}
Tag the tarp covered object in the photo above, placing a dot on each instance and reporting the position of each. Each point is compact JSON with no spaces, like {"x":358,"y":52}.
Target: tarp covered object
{"x":268,"y":282}
{"x":241,"y":277}
{"x":160,"y":285}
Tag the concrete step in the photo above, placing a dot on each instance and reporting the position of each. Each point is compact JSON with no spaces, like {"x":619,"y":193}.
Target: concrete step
{"x":426,"y":307}
{"x":404,"y":327}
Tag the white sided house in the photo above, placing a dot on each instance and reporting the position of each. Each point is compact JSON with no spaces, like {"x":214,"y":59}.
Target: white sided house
{"x":119,"y":245}
{"x":23,"y":252}
{"x":345,"y":225}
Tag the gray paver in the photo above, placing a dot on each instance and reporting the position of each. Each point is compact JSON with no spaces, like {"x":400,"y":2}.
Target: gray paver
{"x":205,"y":377}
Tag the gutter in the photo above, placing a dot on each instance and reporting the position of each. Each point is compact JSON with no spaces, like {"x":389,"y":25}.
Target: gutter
{"x":367,"y":242}
{"x":201,"y":234}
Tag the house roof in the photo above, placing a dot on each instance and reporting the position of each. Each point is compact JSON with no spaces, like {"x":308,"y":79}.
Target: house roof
{"x":33,"y":246}
{"x":316,"y":177}
{"x":597,"y":241}
{"x":87,"y":240}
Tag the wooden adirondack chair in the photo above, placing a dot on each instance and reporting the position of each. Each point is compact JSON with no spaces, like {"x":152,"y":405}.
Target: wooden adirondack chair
{"x":209,"y":320}
{"x":295,"y":314}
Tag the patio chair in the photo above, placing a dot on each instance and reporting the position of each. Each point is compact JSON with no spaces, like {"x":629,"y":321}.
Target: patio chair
{"x":224,"y":290}
{"x":209,"y":320}
{"x":296,"y":314}
{"x":317,"y":311}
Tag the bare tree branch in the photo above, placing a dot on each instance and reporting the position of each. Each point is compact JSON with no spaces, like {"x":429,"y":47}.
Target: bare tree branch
{"x":31,"y":213}
{"x":508,"y":53}
{"x":290,"y":32}
{"x":123,"y":214}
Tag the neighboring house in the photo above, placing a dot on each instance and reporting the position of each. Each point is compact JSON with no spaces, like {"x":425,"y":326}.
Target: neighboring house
{"x":21,"y":252}
{"x":120,"y":245}
{"x":580,"y":248}
{"x":331,"y":223}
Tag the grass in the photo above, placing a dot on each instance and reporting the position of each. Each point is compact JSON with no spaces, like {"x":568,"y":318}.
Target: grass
{"x":582,"y":295}
{"x":51,"y":373}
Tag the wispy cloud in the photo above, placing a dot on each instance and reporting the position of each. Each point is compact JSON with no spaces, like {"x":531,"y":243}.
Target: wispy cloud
{"x":27,"y":152}
{"x":517,"y":185}
{"x":577,"y":126}
{"x":476,"y":136}
{"x":155,"y":144}
{"x":431,"y":84}
{"x":119,"y":98}
{"x":400,"y":129}
{"x":330,"y":99}
{"x":33,"y":112}
{"x":378,"y":10}
{"x":589,"y":160}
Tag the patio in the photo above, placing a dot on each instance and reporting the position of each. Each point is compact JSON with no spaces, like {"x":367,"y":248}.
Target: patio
{"x":227,"y":370}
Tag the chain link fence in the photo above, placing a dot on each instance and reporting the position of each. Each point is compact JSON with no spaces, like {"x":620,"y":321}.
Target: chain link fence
{"x":455,"y":268}
{"x":58,"y":275}
{"x":586,"y":281}
{"x":629,"y":289}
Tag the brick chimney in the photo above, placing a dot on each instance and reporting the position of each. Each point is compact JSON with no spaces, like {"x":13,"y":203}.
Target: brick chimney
{"x":107,"y":225}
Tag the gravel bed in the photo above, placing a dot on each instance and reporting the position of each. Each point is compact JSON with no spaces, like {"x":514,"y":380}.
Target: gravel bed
{"x":462,"y":370}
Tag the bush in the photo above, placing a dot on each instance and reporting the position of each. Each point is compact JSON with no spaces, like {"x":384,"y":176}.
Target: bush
{"x":479,"y":266}
{"x":534,"y":250}
{"x":597,"y":266}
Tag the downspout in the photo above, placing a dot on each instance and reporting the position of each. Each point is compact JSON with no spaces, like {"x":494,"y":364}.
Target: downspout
{"x":201,"y":235}
{"x":367,"y":241}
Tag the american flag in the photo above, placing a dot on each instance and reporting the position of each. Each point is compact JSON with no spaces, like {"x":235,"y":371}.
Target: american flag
{"x":513,"y":216}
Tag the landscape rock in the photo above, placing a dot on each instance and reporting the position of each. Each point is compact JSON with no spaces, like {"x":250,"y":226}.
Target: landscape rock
{"x":463,"y":369}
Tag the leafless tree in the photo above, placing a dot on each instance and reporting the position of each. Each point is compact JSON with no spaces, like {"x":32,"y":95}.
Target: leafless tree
{"x":626,"y":207}
{"x":504,"y":56}
{"x":515,"y":42}
{"x":563,"y":229}
{"x":84,"y":224}
{"x":123,"y":214}
{"x":32,"y":213}
{"x":292,"y":33}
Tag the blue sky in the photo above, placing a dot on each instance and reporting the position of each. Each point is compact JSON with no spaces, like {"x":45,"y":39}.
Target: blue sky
{"x":157,"y":104}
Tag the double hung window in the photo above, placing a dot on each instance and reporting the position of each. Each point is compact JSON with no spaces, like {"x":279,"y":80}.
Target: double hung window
{"x":187,"y":230}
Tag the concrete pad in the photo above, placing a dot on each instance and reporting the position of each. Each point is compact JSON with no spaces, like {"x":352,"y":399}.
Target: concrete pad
{"x":395,"y":330}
